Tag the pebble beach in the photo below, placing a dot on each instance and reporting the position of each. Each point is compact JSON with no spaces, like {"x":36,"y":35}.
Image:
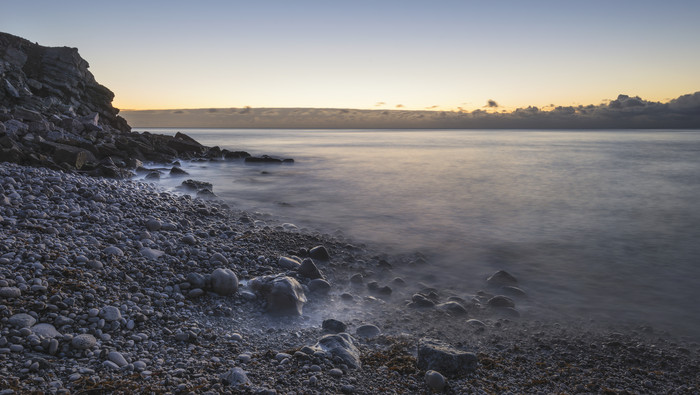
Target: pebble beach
{"x":115,"y":286}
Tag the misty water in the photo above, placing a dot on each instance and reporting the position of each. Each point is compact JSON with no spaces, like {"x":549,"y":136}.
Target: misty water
{"x":601,"y":225}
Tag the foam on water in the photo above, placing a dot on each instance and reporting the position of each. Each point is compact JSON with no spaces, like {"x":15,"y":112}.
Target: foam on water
{"x":600,"y":224}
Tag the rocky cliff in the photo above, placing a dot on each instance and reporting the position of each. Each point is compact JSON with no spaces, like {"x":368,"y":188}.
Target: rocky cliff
{"x":53,"y":113}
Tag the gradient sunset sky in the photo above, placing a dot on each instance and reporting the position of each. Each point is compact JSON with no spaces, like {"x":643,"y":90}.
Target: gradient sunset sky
{"x":412,"y":55}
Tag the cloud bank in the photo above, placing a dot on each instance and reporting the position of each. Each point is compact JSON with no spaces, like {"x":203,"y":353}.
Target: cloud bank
{"x":624,"y":112}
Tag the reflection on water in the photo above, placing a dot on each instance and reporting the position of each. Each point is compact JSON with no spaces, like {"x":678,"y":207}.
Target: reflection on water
{"x":593,"y":223}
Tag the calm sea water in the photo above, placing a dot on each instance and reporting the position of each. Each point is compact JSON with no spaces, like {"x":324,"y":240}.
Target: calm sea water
{"x":595,"y":224}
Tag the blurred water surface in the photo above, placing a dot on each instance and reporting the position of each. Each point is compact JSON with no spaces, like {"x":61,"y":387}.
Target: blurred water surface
{"x":600,"y":224}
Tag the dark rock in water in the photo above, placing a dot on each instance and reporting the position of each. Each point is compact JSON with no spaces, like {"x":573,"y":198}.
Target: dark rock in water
{"x":513,"y":291}
{"x":319,"y":285}
{"x":235,"y":154}
{"x":342,"y":346}
{"x":206,"y":194}
{"x":501,"y":278}
{"x":501,"y":301}
{"x":368,"y":331}
{"x":398,"y":282}
{"x":154,"y":175}
{"x":176,"y":171}
{"x":197,"y":185}
{"x":506,"y":312}
{"x":265,"y":159}
{"x":309,"y":270}
{"x":320,"y":253}
{"x":436,"y":355}
{"x":452,"y":308}
{"x":419,"y":300}
{"x":334,"y":326}
{"x":288,"y":263}
{"x":356,"y":279}
{"x":284,"y":295}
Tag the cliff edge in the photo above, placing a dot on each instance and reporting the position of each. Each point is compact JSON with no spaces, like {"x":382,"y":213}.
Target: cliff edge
{"x":54,"y":114}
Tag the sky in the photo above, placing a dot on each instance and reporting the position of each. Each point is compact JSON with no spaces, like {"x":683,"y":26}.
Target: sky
{"x":409,"y":55}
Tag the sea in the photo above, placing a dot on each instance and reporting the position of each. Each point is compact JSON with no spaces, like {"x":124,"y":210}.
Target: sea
{"x":599,"y":225}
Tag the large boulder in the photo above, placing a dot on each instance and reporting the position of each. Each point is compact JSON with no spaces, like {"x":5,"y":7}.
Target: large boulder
{"x":284,"y":295}
{"x":436,"y":355}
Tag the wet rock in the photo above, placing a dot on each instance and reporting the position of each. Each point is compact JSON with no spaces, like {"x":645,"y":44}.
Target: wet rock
{"x":500,"y":301}
{"x":308,"y":269}
{"x":153,"y":225}
{"x":435,"y":355}
{"x":501,"y":278}
{"x":196,"y":280}
{"x":283,"y":294}
{"x":342,"y":346}
{"x":514,"y":292}
{"x":195,"y":185}
{"x":419,"y":300}
{"x":454,"y":308}
{"x":176,"y":171}
{"x":224,"y":282}
{"x":288,"y":263}
{"x":319,"y":286}
{"x":333,"y":326}
{"x":320,"y":253}
{"x":150,"y":253}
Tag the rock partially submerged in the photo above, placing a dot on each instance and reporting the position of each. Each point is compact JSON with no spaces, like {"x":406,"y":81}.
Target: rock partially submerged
{"x":283,"y":295}
{"x":342,"y":346}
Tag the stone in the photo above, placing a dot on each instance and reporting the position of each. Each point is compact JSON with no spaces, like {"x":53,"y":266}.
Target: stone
{"x":319,"y":286}
{"x":21,"y":320}
{"x":10,"y":292}
{"x":83,"y":342}
{"x":435,"y":355}
{"x":218,"y":257}
{"x":435,"y":381}
{"x":111,"y":313}
{"x":454,"y":308}
{"x":309,"y":270}
{"x":320,"y":253}
{"x":189,"y":239}
{"x":501,"y":278}
{"x":341,"y":345}
{"x":151,"y":253}
{"x":288,"y":263}
{"x":45,"y":330}
{"x":284,"y":295}
{"x":176,"y":171}
{"x":335,"y":372}
{"x":117,"y":358}
{"x":514,"y":292}
{"x":333,"y":326}
{"x":419,"y":300}
{"x":224,"y":282}
{"x":196,"y":280}
{"x":235,"y":377}
{"x":153,"y":225}
{"x":368,"y":331}
{"x":112,"y":250}
{"x":500,"y":301}
{"x":195,"y":185}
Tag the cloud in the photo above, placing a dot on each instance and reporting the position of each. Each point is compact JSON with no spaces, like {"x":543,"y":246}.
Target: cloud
{"x":625,"y":111}
{"x":491,"y":104}
{"x":380,"y":103}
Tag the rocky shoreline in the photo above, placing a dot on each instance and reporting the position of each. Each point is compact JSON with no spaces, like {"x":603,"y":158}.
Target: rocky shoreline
{"x":116,"y":286}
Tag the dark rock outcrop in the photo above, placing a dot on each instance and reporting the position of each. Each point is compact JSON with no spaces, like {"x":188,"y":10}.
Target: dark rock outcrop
{"x":53,"y":113}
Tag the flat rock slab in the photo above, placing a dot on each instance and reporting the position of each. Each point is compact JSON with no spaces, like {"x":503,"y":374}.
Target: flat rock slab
{"x":442,"y":357}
